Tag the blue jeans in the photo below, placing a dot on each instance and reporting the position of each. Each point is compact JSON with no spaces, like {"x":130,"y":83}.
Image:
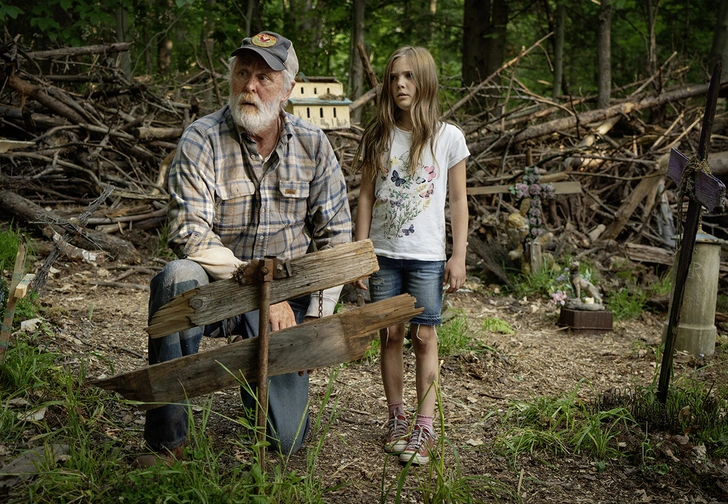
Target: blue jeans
{"x":166,"y":426}
{"x":420,"y":279}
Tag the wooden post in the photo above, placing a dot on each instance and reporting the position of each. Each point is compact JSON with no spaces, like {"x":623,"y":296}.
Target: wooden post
{"x":709,"y":191}
{"x":266,"y":277}
{"x":7,"y":327}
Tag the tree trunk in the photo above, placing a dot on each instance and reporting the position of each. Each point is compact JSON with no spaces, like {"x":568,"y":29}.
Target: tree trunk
{"x":165,"y":44}
{"x":495,"y":47}
{"x":356,"y":70}
{"x":719,"y":49}
{"x":122,"y":35}
{"x":559,"y":49}
{"x":652,"y":49}
{"x":484,"y":39}
{"x":604,"y":54}
{"x":475,"y":29}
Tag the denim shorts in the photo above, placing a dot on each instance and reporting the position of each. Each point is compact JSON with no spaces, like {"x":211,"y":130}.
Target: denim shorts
{"x":420,"y":279}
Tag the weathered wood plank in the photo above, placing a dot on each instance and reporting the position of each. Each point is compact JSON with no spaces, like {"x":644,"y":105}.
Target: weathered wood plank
{"x":318,"y":343}
{"x":223,"y":299}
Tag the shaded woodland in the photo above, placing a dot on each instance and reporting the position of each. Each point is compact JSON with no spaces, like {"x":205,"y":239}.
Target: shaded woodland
{"x":85,"y":153}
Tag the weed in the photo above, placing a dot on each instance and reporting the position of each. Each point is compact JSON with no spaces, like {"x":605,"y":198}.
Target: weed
{"x":495,"y":324}
{"x":627,"y":303}
{"x":162,"y":249}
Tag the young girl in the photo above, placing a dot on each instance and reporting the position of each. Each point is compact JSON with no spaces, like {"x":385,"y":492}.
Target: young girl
{"x":408,"y":157}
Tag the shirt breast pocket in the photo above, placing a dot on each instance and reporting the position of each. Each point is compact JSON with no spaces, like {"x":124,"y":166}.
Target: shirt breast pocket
{"x":233,"y":202}
{"x":293,"y":203}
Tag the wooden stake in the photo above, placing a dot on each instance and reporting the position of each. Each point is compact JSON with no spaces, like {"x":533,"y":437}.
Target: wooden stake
{"x":7,"y":327}
{"x":266,"y":277}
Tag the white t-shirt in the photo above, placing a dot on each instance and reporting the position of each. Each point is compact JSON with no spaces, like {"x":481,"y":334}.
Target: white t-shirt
{"x":408,"y":218}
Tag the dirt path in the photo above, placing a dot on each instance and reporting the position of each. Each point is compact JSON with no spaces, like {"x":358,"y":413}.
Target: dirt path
{"x":537,"y":360}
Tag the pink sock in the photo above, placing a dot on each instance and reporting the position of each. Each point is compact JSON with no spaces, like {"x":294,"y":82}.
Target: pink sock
{"x":396,"y":409}
{"x":424,"y":421}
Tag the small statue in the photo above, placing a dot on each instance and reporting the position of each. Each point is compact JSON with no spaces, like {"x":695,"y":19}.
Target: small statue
{"x":592,"y":300}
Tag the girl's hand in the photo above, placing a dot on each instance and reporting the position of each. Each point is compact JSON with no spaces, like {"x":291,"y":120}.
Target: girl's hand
{"x":454,"y":275}
{"x":359,"y":284}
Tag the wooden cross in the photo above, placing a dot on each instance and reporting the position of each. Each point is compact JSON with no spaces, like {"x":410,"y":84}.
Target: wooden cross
{"x":708,"y":192}
{"x":570,"y":187}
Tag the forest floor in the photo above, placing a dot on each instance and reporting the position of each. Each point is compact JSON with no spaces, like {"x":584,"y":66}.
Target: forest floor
{"x":538,"y":360}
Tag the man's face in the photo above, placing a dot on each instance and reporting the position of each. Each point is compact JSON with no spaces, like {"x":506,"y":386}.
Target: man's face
{"x":256,"y":93}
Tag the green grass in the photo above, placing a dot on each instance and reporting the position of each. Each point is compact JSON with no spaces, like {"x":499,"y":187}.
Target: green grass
{"x":627,"y":303}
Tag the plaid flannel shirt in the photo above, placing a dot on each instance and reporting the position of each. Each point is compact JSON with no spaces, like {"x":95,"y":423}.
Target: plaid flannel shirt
{"x":217,"y":199}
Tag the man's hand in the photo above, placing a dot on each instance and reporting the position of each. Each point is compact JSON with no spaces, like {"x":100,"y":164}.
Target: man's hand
{"x":281,"y":316}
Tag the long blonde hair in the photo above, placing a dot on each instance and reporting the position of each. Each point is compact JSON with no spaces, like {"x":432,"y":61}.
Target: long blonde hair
{"x":425,"y":113}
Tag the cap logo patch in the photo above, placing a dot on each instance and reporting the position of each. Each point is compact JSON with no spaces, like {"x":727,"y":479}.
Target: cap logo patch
{"x":264,"y":40}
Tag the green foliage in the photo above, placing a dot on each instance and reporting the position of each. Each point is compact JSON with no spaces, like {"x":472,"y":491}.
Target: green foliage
{"x":455,"y":336}
{"x":494,"y":324}
{"x":627,"y":303}
{"x":549,"y":281}
{"x":562,"y":425}
{"x":630,"y":301}
{"x":9,"y":242}
{"x":321,"y":32}
{"x":27,"y":366}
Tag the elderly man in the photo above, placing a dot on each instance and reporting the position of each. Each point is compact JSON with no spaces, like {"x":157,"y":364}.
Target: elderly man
{"x":248,"y":181}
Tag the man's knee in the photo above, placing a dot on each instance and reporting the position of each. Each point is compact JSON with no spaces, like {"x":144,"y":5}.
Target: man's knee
{"x":179,"y":271}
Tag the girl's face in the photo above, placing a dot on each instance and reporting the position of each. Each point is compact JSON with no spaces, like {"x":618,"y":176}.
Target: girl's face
{"x":402,"y":84}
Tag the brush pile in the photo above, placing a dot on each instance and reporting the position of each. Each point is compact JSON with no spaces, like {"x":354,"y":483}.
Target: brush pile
{"x":73,"y":127}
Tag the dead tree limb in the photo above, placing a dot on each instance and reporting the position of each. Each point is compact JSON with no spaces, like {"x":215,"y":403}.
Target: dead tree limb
{"x":80,"y":51}
{"x":480,"y":86}
{"x":30,"y":213}
{"x":35,"y":92}
{"x":567,"y":123}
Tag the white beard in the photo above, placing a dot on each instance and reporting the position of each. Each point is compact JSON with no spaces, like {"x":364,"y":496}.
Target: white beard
{"x":254,"y":122}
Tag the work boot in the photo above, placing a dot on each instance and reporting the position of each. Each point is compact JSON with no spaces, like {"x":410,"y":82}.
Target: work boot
{"x":165,"y":456}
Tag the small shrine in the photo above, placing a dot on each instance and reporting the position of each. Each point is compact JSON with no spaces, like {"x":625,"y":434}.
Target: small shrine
{"x":321,"y":101}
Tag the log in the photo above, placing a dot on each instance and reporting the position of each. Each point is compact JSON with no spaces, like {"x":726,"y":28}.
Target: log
{"x":314,"y":344}
{"x":623,"y":214}
{"x":39,"y":120}
{"x":647,"y":254}
{"x":31,"y":213}
{"x":366,"y":97}
{"x":150,"y":133}
{"x":226,"y":298}
{"x":37,"y":93}
{"x":80,"y":51}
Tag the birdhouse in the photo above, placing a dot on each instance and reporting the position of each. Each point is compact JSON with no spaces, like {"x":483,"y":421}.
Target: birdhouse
{"x":321,"y":101}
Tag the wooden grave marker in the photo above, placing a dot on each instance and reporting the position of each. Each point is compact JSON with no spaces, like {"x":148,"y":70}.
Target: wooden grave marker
{"x":702,"y":189}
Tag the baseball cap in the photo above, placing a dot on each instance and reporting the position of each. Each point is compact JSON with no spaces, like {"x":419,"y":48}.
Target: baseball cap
{"x":271,"y":46}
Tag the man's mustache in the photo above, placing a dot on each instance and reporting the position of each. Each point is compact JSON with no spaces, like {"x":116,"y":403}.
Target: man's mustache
{"x":248,"y":98}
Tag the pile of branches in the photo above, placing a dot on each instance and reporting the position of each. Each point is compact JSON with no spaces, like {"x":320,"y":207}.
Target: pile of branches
{"x":73,"y":127}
